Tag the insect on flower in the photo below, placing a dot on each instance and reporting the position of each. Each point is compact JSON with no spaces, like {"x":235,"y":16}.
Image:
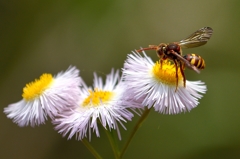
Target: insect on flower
{"x":173,"y":52}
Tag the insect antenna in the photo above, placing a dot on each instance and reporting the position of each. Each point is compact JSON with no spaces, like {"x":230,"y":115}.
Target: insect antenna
{"x":151,"y":47}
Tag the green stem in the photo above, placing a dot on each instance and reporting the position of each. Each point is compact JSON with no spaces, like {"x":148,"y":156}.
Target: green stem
{"x":137,"y":126}
{"x":113,"y":143}
{"x":91,"y":149}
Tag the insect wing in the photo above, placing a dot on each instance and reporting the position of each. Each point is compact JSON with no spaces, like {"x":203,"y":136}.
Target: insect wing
{"x":198,"y":38}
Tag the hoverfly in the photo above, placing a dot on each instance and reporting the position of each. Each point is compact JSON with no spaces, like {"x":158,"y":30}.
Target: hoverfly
{"x":173,"y":51}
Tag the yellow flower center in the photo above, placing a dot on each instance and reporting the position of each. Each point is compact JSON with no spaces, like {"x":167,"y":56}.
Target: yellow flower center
{"x":36,"y":88}
{"x":97,"y":97}
{"x":167,"y":73}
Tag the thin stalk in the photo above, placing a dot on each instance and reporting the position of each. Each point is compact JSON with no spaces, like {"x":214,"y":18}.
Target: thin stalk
{"x":136,"y":127}
{"x":113,"y":143}
{"x":91,"y":149}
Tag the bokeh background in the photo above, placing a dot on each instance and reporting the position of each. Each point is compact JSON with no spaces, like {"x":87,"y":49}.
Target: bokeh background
{"x":48,"y":36}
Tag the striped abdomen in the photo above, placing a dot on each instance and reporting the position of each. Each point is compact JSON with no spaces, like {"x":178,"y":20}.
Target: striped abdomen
{"x":195,"y":60}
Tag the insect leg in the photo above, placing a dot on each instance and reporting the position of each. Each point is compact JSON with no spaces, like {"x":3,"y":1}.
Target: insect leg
{"x":176,"y":66}
{"x":160,"y":62}
{"x":183,"y":75}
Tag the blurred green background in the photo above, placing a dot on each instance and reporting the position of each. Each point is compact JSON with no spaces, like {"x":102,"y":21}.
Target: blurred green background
{"x":48,"y":36}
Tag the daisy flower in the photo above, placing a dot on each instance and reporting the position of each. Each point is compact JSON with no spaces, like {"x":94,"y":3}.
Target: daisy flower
{"x":47,"y":95}
{"x":103,"y":104}
{"x":157,"y":85}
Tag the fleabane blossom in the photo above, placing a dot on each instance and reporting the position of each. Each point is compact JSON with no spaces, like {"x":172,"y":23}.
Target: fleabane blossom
{"x":102,"y":104}
{"x":44,"y":97}
{"x":157,"y":85}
